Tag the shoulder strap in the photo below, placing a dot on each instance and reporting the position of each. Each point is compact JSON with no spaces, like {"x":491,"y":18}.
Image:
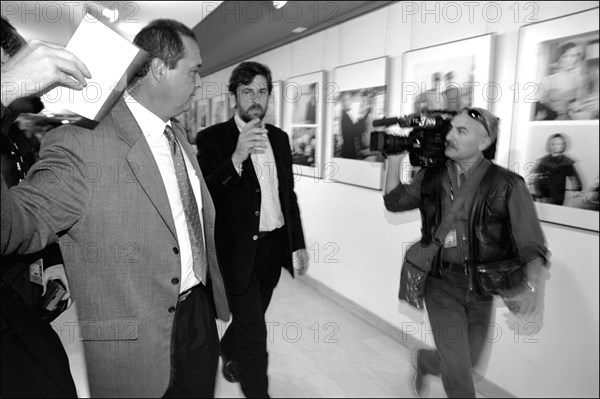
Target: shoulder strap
{"x":447,"y":222}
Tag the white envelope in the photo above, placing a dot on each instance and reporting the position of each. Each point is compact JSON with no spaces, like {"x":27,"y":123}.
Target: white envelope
{"x":112,"y":61}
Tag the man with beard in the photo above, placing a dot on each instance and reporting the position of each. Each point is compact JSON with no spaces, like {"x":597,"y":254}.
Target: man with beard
{"x":248,"y":168}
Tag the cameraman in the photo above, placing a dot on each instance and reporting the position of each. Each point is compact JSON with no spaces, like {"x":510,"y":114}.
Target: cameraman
{"x":481,"y":232}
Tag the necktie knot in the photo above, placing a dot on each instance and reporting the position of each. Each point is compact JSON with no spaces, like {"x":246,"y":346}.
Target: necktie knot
{"x":171,"y":138}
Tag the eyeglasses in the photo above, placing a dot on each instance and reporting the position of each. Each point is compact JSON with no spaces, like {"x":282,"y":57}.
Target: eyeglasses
{"x":473,"y":113}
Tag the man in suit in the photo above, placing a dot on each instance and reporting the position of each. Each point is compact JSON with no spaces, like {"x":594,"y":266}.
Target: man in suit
{"x":248,"y":169}
{"x":136,"y":226}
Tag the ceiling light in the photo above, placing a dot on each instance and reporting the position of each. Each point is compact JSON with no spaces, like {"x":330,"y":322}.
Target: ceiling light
{"x":111,"y":15}
{"x":299,"y":29}
{"x":279,"y":4}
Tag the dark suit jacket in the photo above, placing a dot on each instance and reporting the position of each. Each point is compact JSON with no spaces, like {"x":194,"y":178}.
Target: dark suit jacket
{"x":102,"y":191}
{"x":31,"y":351}
{"x":237,"y":200}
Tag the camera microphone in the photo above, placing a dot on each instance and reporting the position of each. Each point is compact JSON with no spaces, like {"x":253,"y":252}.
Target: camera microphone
{"x":412,"y":120}
{"x":385,"y":122}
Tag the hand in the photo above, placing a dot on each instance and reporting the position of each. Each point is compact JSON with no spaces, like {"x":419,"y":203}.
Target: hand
{"x":57,"y":272}
{"x":300,"y":261}
{"x":525,"y":303}
{"x":39,"y":67}
{"x":253,"y":136}
{"x":395,"y":159}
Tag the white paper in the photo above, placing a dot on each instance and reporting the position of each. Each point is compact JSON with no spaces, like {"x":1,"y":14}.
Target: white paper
{"x":107,"y":56}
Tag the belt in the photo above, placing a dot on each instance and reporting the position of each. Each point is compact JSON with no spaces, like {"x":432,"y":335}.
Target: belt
{"x":265,"y":234}
{"x":183,"y":296}
{"x":455,"y":267}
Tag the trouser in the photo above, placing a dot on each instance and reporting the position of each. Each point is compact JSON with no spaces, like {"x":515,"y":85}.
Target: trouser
{"x":34,"y":363}
{"x":245,"y":340}
{"x":194,"y":346}
{"x":460,"y":322}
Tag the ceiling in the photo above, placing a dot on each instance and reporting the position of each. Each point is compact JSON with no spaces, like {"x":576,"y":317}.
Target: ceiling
{"x":227,"y":32}
{"x":238,"y":30}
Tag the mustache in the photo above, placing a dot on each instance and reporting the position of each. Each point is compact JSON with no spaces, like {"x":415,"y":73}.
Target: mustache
{"x":450,"y":144}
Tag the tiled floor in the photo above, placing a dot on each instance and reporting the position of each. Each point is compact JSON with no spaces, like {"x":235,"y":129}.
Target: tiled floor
{"x":316,"y":348}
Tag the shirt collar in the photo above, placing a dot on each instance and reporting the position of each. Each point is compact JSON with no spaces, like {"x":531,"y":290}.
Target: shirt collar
{"x":455,"y":170}
{"x":152,"y":126}
{"x":239,"y":122}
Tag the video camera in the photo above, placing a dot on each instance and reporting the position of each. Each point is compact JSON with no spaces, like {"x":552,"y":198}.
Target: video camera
{"x":425,"y":143}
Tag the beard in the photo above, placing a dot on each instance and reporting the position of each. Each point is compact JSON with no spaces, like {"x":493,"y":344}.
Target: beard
{"x":254,"y":111}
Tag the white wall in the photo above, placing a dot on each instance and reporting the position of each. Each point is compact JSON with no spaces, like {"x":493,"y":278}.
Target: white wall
{"x":359,"y":244}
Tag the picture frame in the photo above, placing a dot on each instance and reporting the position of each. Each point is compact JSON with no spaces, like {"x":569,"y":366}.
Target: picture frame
{"x":202,"y":113}
{"x":554,"y":144}
{"x":303,"y":121}
{"x":359,"y":94}
{"x":433,"y":80}
{"x":219,"y":109}
{"x":274,"y":109}
{"x":188,"y":120}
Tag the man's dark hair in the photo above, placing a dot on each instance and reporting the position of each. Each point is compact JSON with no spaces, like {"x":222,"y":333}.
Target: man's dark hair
{"x":162,"y":39}
{"x":244,"y":74}
{"x":11,"y":40}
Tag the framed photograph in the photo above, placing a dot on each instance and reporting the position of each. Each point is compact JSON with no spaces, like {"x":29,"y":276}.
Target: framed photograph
{"x":188,"y":120}
{"x":554,"y":144}
{"x":201,"y":108}
{"x":448,"y":76}
{"x":360,"y":97}
{"x":219,"y":109}
{"x":273,"y":115}
{"x":303,"y":121}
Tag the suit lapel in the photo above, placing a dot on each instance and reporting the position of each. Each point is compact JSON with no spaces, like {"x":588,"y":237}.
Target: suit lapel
{"x":274,"y":141}
{"x":142,"y":163}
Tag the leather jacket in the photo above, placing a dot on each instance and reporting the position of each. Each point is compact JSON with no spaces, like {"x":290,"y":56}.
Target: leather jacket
{"x":490,"y":230}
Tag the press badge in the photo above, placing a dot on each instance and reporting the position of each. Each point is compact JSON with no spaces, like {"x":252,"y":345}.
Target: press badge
{"x":36,"y":272}
{"x":450,"y":241}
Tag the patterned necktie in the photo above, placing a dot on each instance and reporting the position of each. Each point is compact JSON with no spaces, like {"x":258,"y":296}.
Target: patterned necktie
{"x":190,"y":206}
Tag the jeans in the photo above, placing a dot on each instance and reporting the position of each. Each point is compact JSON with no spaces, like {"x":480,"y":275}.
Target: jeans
{"x":460,"y":322}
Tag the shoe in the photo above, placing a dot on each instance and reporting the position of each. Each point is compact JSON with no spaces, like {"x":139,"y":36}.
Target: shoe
{"x":230,"y":370}
{"x":417,"y":380}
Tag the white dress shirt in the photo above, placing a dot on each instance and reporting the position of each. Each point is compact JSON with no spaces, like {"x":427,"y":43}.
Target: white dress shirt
{"x":271,"y":216}
{"x":153,"y":129}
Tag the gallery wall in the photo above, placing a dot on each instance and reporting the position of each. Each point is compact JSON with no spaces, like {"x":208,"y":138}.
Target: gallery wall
{"x":356,"y":246}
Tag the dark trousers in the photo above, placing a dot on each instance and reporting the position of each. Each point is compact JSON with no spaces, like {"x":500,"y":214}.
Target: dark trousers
{"x":460,"y":322}
{"x":245,"y":340}
{"x":194,"y":347}
{"x":34,"y":363}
